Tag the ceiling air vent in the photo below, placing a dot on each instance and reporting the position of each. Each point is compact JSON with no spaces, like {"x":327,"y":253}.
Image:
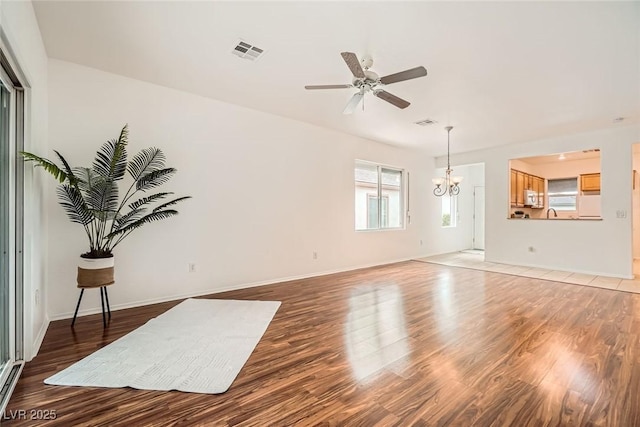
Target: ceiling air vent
{"x":426,"y":122}
{"x":247,"y":51}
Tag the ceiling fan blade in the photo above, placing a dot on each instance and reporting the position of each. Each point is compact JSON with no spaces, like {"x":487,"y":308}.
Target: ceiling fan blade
{"x":353,"y":63}
{"x":404,"y":75}
{"x":313,"y":87}
{"x":353,"y":103}
{"x":392,"y":99}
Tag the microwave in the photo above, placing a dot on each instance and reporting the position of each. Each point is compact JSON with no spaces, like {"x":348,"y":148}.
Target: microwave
{"x":530,"y":198}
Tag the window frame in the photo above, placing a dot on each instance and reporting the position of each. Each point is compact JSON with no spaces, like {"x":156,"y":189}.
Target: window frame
{"x":381,"y":197}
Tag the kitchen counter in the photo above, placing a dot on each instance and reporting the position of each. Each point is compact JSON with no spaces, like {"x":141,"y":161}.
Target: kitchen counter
{"x":559,"y":219}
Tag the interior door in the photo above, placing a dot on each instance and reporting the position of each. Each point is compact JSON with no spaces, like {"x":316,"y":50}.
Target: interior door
{"x":478,"y":218}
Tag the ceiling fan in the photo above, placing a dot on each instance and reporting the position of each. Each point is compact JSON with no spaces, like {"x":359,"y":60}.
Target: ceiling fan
{"x":366,"y":80}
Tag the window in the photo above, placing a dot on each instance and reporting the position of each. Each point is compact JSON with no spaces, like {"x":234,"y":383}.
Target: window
{"x":379,"y":196}
{"x":562,"y":194}
{"x":449,"y":210}
{"x":372,"y":211}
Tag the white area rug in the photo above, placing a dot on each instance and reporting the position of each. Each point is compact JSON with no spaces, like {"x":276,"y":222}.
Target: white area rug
{"x":198,"y":346}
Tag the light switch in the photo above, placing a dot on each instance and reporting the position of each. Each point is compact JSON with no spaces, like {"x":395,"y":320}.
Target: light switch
{"x":621,"y":214}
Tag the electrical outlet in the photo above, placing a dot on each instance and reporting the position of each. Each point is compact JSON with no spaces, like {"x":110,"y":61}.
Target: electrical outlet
{"x":315,"y":255}
{"x":420,"y":242}
{"x":621,"y":214}
{"x":532,"y":249}
{"x":192,"y":267}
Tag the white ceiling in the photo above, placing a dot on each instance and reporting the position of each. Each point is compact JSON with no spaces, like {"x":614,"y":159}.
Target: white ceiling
{"x":498,"y":72}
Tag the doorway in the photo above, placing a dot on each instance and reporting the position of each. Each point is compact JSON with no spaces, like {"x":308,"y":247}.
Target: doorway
{"x":478,"y":217}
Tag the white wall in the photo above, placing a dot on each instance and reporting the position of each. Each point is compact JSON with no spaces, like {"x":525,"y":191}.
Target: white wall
{"x":596,"y":247}
{"x":267,"y":192}
{"x":22,"y":41}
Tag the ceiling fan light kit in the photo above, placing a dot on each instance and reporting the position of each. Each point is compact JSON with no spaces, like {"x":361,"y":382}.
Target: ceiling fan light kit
{"x":366,"y":80}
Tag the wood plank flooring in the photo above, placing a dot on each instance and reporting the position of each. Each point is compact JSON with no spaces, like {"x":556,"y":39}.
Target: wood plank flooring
{"x":408,"y":344}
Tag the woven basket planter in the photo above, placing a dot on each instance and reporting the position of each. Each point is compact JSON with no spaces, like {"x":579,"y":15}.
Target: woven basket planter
{"x":94,"y":273}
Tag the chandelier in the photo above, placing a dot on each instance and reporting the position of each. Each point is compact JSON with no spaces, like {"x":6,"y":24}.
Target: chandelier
{"x":447,"y":184}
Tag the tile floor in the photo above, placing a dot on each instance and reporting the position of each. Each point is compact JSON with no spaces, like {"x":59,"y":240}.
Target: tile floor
{"x":475,"y":260}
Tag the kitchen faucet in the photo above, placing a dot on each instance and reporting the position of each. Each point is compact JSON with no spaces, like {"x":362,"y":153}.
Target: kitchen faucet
{"x":555,"y":214}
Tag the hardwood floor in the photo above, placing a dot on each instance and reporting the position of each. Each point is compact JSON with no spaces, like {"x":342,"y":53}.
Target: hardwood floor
{"x":408,"y":344}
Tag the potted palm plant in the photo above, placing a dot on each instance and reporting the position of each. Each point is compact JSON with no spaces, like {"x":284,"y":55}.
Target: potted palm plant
{"x":91,"y":197}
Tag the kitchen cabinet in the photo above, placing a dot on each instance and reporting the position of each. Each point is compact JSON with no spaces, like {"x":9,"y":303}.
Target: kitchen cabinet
{"x":590,"y":182}
{"x":521,"y":181}
{"x":538,"y":187}
{"x":519,"y":188}
{"x":512,"y":187}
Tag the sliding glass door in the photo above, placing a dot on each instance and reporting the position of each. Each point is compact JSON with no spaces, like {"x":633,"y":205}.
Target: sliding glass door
{"x":11,"y":228}
{"x":6,"y":272}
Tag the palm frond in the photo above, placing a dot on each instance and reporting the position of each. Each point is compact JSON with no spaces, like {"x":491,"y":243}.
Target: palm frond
{"x":124,"y":134}
{"x":138,"y":209}
{"x":103,"y":196}
{"x":146,"y":161}
{"x":111,"y":160}
{"x":154,"y":179}
{"x":129,"y":217}
{"x":71,"y":200}
{"x":149,"y":199}
{"x":87,"y":178}
{"x":169,"y":203}
{"x":119,"y":162}
{"x":82,"y":173}
{"x":46,"y":164}
{"x":153,"y":216}
{"x":104,"y":216}
{"x":70,"y":175}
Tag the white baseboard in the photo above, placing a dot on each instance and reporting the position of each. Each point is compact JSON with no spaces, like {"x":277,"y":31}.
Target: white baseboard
{"x":37,"y":342}
{"x":140,"y":303}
